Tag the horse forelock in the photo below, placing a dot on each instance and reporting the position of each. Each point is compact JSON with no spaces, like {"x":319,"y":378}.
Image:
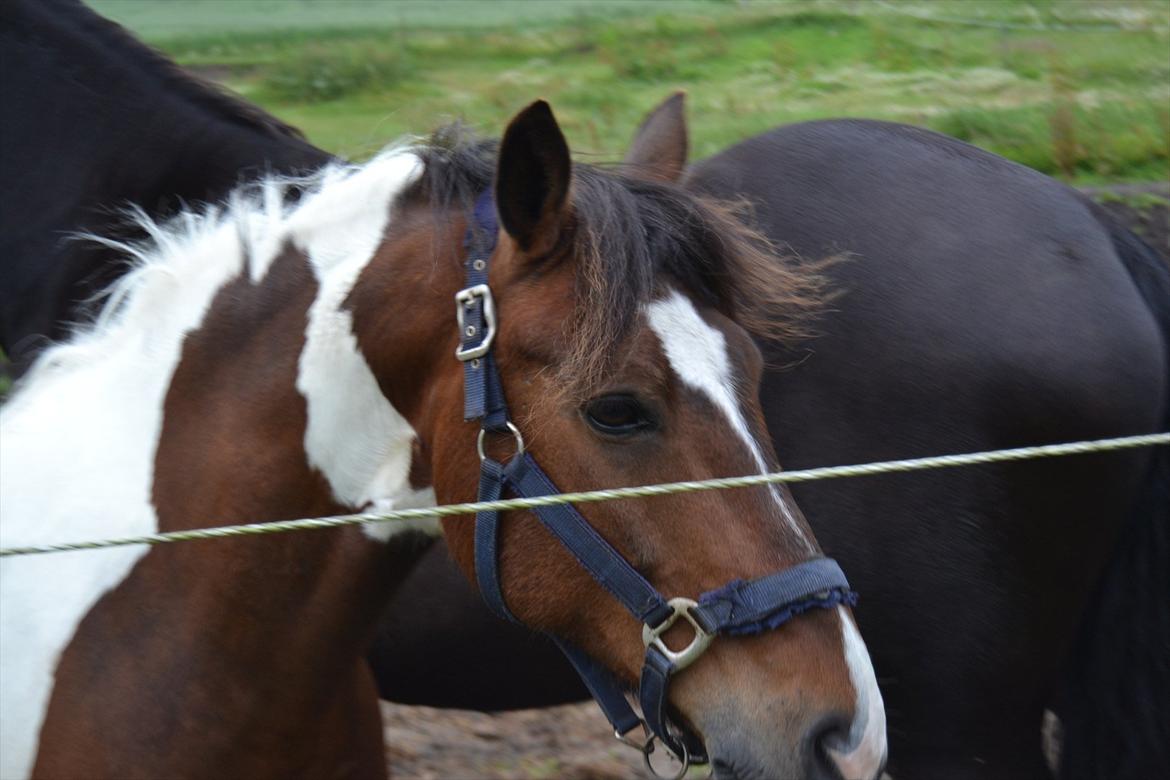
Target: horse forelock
{"x":635,"y":238}
{"x":631,"y":238}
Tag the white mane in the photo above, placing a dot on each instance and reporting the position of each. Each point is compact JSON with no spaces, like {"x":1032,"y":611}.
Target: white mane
{"x":81,"y":433}
{"x":221,"y":240}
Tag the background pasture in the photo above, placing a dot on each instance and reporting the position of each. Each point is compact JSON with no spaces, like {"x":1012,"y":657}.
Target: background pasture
{"x":1075,"y":89}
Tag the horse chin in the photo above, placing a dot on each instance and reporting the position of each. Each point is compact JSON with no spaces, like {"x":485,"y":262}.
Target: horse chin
{"x":743,"y":766}
{"x":742,"y":751}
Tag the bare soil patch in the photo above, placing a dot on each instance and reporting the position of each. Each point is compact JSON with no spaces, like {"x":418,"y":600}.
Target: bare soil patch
{"x":571,"y":742}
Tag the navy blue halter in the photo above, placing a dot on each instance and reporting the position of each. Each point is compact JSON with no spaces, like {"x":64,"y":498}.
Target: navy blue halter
{"x":737,"y":608}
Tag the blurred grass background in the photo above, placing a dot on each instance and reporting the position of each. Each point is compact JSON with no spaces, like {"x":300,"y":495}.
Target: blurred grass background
{"x":1079,"y":89}
{"x":1075,"y":88}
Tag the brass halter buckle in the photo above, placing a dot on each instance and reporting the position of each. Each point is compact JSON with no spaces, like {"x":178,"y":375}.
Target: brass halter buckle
{"x":689,"y":654}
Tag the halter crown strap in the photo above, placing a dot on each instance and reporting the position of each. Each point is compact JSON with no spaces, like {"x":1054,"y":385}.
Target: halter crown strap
{"x":740,"y":607}
{"x":475,"y":311}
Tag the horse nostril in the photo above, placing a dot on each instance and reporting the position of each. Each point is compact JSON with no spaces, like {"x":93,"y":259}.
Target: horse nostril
{"x":831,"y":731}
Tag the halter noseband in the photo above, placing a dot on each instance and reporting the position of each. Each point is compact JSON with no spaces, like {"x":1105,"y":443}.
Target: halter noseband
{"x":737,"y":608}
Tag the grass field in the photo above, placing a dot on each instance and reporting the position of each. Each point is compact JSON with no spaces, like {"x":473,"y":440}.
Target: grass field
{"x":1076,"y":89}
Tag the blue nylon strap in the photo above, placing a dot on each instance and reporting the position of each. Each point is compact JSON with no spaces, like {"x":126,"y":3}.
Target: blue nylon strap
{"x":605,"y":689}
{"x":487,"y":569}
{"x":483,"y":394}
{"x":598,"y":557}
{"x":474,"y":392}
{"x":485,"y":224}
{"x":652,"y":690}
{"x":765,"y":603}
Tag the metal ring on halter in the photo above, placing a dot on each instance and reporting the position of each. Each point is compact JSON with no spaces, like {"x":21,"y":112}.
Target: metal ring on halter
{"x":515,"y":434}
{"x":625,"y":740}
{"x":685,"y":760}
{"x":689,"y":654}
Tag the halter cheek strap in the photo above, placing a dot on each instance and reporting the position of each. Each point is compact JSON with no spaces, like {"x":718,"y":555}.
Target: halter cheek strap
{"x":738,"y":608}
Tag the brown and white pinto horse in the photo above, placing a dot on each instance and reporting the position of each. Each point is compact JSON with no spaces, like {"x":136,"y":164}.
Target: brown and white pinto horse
{"x":274,"y":361}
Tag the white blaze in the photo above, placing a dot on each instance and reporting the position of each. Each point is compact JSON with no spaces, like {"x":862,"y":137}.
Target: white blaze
{"x":865,"y":750}
{"x":698,"y":354}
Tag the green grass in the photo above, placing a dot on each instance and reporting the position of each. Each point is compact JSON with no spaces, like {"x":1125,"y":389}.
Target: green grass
{"x":1076,"y":89}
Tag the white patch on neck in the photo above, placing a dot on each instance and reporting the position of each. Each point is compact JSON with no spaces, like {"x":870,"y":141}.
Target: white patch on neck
{"x":79,"y":441}
{"x":865,"y":750}
{"x":354,"y":436}
{"x":698,"y":354}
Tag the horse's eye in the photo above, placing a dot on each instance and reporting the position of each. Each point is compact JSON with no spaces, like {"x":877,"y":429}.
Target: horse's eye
{"x":617,"y":415}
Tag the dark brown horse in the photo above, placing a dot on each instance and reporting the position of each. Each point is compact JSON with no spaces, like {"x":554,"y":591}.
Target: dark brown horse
{"x":273,"y":361}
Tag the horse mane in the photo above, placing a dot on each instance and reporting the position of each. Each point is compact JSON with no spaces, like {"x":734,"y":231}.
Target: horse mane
{"x":632,"y":235}
{"x":240,"y":236}
{"x":175,"y":80}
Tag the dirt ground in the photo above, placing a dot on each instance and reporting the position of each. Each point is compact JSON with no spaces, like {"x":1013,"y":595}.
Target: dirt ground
{"x":574,"y":742}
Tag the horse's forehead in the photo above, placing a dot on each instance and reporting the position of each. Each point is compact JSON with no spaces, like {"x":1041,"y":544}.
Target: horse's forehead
{"x":697,"y":351}
{"x":699,"y":355}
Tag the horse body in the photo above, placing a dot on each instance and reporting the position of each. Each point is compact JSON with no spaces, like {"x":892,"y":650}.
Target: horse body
{"x":98,"y":122}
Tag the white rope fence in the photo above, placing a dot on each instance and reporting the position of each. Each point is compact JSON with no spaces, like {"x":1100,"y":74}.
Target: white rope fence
{"x":612,"y":494}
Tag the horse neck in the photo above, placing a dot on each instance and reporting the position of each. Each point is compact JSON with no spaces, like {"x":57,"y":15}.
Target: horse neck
{"x":231,"y":366}
{"x":228,"y":387}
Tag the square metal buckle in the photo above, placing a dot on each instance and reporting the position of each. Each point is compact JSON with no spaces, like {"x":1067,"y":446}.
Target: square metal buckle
{"x":466,"y":299}
{"x":652,"y":635}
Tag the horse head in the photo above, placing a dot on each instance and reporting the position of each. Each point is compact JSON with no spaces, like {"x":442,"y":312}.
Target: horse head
{"x":621,"y":333}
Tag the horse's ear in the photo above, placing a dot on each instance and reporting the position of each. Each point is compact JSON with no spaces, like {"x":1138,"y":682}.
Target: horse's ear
{"x":532,"y":180}
{"x":659,"y":151}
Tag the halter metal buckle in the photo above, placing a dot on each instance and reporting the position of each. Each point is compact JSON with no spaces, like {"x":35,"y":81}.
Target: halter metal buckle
{"x":689,"y":654}
{"x":465,"y":300}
